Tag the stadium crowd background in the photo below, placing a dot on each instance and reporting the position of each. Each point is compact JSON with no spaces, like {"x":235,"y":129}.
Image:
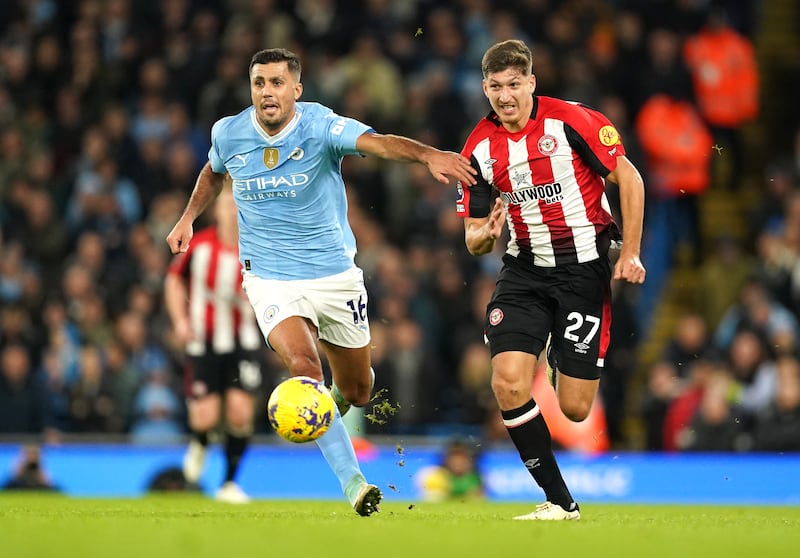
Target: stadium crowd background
{"x":105,"y":113}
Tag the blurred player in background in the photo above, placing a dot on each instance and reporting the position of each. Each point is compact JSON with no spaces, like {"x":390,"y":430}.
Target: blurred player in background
{"x":295,"y":242}
{"x":542,"y":164}
{"x":214,"y":321}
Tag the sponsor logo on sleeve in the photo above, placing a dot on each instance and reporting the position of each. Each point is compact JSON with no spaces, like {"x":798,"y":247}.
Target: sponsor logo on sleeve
{"x":608,"y":135}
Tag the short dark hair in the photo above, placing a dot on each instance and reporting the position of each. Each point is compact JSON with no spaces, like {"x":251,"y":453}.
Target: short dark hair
{"x":508,"y":54}
{"x":272,"y":55}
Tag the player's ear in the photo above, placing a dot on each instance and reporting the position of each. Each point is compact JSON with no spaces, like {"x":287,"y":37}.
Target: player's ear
{"x":298,"y":91}
{"x":485,"y":89}
{"x":533,"y":82}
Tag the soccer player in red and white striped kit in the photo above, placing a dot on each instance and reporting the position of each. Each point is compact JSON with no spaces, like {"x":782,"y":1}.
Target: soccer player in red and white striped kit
{"x":542,"y":165}
{"x":214,"y":320}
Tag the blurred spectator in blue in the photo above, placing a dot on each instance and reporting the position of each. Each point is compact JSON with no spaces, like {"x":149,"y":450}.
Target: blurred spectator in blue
{"x":224,"y":94}
{"x":91,"y":406}
{"x":777,"y":248}
{"x":777,"y":427}
{"x":753,"y":372}
{"x":104,"y":202}
{"x":53,"y":374}
{"x":158,"y":412}
{"x":44,"y":236}
{"x":11,"y":273}
{"x":116,"y":125}
{"x":22,"y":400}
{"x":122,"y":383}
{"x":146,"y":357}
{"x":756,"y":310}
{"x":63,"y":337}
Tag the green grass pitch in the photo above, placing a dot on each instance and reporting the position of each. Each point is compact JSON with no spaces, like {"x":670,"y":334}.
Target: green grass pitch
{"x":49,"y":526}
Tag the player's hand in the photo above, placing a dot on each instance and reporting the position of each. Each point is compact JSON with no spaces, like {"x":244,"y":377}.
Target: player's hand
{"x":183,"y":331}
{"x":629,"y":268}
{"x":497,"y":218}
{"x":442,"y":164}
{"x":178,"y":239}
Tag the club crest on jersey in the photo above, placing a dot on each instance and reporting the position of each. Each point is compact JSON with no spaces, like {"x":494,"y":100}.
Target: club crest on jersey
{"x":270,"y":313}
{"x":547,"y":144}
{"x":495,"y":316}
{"x":270,"y":157}
{"x":608,"y":136}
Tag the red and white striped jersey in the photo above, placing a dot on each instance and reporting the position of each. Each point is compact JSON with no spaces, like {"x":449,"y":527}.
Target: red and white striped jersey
{"x":219,"y":312}
{"x":550,"y":176}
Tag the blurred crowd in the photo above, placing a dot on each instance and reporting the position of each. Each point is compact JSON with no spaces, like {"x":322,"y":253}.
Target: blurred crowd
{"x":105,"y":115}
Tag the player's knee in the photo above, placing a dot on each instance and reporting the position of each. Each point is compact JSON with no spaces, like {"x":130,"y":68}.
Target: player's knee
{"x":356,"y":393}
{"x":507,"y":389}
{"x":304,"y":365}
{"x":239,"y":420}
{"x":576,"y":410}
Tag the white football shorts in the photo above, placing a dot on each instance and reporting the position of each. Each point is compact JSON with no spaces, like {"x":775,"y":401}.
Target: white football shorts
{"x":337,"y":305}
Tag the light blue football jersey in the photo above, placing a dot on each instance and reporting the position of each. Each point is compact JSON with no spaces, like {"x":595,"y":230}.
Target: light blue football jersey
{"x":289,"y":191}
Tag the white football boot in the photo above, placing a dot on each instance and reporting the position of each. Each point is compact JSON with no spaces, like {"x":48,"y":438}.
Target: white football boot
{"x":550,"y":512}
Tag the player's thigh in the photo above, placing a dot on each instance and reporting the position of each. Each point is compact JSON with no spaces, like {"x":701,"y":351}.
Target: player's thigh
{"x":294,"y":340}
{"x":349,"y":365}
{"x":520,"y":314}
{"x":581,"y":331}
{"x":275,"y":302}
{"x":340,"y":303}
{"x":576,"y":396}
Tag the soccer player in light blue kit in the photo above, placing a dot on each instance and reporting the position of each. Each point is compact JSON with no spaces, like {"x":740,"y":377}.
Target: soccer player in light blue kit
{"x":295,"y":244}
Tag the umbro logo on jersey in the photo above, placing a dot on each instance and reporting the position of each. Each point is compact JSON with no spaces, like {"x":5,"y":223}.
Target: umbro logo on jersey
{"x":581,"y":347}
{"x":489,"y":162}
{"x":297,"y":154}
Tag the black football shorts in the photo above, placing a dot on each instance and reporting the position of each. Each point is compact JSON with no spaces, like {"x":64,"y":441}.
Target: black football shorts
{"x":572,"y":302}
{"x":218,"y":372}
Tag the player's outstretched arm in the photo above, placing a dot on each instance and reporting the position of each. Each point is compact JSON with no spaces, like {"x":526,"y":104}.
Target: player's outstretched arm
{"x":480,"y":233}
{"x":631,"y":193}
{"x":207,"y":187}
{"x":441,"y":164}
